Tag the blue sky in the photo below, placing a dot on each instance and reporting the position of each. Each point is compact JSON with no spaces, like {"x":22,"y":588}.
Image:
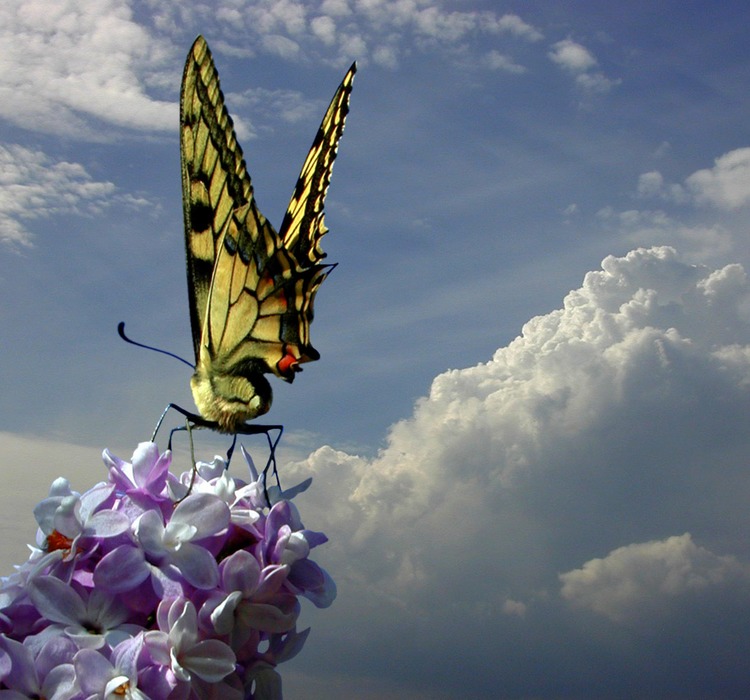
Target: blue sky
{"x":528,"y":425}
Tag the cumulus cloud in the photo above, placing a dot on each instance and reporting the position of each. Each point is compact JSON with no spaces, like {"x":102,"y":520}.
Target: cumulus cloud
{"x":608,"y":425}
{"x":64,"y":64}
{"x":725,"y":186}
{"x":643,"y":581}
{"x":32,"y":187}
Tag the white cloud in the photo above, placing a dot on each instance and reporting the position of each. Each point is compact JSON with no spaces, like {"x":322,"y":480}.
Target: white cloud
{"x":270,"y":105}
{"x":650,"y":184}
{"x":335,"y":8}
{"x":727,"y":184}
{"x":608,"y":425}
{"x":498,"y":61}
{"x":580,"y":62}
{"x":360,"y":29}
{"x":515,"y":25}
{"x":646,"y":227}
{"x":641,"y":582}
{"x":386,"y":56}
{"x":281,"y":45}
{"x":324,"y":28}
{"x":572,"y":56}
{"x":598,"y":399}
{"x":63,"y":64}
{"x":605,"y":426}
{"x":32,"y":187}
{"x":595,"y":82}
{"x":275,"y":16}
{"x":514,"y":607}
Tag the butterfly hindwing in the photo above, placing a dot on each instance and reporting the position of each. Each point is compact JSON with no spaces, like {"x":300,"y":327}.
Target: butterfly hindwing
{"x":251,"y":290}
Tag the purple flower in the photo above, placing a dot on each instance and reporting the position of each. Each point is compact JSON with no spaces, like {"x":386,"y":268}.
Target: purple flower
{"x":179,"y":644}
{"x":49,"y":675}
{"x":160,"y":587}
{"x":90,"y":618}
{"x":102,"y":677}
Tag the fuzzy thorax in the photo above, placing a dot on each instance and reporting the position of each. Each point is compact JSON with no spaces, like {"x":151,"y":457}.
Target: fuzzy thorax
{"x":230,"y":399}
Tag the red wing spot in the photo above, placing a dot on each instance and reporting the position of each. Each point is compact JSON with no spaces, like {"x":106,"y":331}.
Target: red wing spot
{"x":288,"y":365}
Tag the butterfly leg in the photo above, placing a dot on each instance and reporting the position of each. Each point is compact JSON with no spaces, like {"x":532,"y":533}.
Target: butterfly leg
{"x":272,"y":444}
{"x":194,"y":470}
{"x":230,"y":451}
{"x":194,"y":418}
{"x":179,"y":428}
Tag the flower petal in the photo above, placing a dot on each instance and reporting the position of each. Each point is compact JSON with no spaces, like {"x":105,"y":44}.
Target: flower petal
{"x":197,"y":565}
{"x":56,"y":600}
{"x":122,"y":569}
{"x":206,"y":512}
{"x":210,"y":660}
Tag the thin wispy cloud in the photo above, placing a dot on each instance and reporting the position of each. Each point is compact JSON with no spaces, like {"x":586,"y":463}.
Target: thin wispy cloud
{"x":578,"y":61}
{"x":65,"y":65}
{"x":33,"y":187}
{"x":365,"y":30}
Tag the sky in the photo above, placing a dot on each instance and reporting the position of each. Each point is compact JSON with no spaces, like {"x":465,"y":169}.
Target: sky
{"x":528,"y":427}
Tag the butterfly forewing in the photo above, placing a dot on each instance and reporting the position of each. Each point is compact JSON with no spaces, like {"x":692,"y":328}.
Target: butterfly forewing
{"x":214,"y":177}
{"x":303,"y":225}
{"x":251,"y":290}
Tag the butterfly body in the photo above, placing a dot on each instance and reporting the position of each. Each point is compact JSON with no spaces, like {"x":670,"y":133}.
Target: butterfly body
{"x":251,"y":289}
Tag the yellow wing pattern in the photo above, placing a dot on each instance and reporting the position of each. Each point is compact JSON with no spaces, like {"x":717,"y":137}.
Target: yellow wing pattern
{"x":251,"y":290}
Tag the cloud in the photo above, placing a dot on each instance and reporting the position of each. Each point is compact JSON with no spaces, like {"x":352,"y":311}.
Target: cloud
{"x":680,"y":218}
{"x":498,"y":61}
{"x":607,"y":425}
{"x":361,"y":29}
{"x":66,"y":64}
{"x":572,"y":56}
{"x":727,"y":184}
{"x":580,"y":62}
{"x":324,"y":28}
{"x":515,"y":25}
{"x":32,"y":186}
{"x":641,"y":582}
{"x":268,"y":106}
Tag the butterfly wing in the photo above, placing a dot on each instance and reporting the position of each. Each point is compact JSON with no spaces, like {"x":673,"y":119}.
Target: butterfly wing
{"x":214,"y":177}
{"x":303,"y":225}
{"x":251,"y":296}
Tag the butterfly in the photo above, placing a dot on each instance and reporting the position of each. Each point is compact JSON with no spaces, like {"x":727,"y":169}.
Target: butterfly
{"x":251,"y":289}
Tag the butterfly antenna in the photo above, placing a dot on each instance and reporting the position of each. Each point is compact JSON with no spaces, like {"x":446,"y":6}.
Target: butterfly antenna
{"x":121,"y":332}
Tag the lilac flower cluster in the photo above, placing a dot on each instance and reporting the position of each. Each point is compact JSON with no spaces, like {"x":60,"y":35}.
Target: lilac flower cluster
{"x":144,"y":588}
